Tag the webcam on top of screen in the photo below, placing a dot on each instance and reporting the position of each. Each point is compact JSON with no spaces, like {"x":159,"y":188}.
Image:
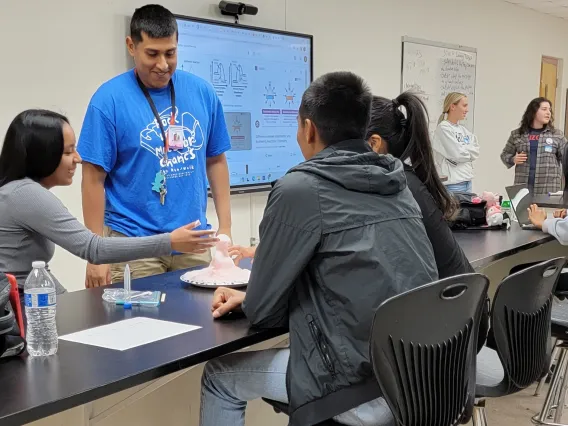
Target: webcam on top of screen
{"x":229,"y":8}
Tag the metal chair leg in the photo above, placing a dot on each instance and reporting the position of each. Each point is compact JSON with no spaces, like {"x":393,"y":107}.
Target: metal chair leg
{"x":555,"y":397}
{"x":552,"y":358}
{"x":562,"y":396}
{"x":479,"y":416}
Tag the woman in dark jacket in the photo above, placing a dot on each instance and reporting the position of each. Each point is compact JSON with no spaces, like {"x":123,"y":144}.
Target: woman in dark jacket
{"x":405,"y":136}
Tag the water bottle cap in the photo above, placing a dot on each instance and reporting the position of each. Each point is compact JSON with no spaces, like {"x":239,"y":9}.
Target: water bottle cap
{"x":38,"y":264}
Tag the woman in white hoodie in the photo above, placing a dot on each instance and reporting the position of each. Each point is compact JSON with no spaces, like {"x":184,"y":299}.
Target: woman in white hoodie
{"x":455,"y":147}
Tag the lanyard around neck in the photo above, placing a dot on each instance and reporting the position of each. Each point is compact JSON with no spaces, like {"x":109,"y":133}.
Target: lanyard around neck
{"x":155,"y":111}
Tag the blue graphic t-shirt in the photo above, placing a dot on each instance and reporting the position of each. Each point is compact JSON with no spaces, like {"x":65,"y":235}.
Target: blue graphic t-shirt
{"x":121,"y":135}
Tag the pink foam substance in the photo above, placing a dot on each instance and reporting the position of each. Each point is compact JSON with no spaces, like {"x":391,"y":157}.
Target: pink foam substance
{"x":222,"y":268}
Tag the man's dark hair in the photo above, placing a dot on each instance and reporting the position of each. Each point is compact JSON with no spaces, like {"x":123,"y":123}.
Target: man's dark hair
{"x":339,"y":105}
{"x":154,"y":20}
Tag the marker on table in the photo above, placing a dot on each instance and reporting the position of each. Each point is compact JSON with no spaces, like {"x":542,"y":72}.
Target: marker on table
{"x":127,"y":302}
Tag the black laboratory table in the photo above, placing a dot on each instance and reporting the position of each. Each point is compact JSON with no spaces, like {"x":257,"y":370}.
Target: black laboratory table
{"x":485,"y":247}
{"x":35,"y":388}
{"x":78,"y":374}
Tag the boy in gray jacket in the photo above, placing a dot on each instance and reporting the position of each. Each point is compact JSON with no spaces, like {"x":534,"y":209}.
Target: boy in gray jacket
{"x":341,"y":233}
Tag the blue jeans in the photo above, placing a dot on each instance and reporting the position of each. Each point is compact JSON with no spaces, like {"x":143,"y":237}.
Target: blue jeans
{"x":459,"y":187}
{"x":230,"y":381}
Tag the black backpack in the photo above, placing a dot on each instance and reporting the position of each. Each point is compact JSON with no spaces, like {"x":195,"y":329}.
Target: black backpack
{"x":469,"y":214}
{"x":11,"y":342}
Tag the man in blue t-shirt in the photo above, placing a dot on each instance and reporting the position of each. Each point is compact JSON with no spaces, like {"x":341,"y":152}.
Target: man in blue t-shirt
{"x":150,"y":140}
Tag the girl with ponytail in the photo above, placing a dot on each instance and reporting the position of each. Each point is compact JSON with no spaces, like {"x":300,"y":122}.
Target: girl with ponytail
{"x":400,"y":127}
{"x":455,"y":147}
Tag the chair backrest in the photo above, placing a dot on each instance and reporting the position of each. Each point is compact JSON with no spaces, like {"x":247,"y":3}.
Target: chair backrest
{"x":423,"y":347}
{"x":520,"y":322}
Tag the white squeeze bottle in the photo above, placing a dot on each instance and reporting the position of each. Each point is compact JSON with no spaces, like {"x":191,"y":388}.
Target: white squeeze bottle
{"x":40,"y":305}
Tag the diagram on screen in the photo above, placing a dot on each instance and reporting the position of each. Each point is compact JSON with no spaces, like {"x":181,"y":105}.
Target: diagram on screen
{"x":238,"y":76}
{"x":289,"y":95}
{"x":188,"y":68}
{"x":218,"y":76}
{"x":239,"y":126}
{"x":269,"y":94}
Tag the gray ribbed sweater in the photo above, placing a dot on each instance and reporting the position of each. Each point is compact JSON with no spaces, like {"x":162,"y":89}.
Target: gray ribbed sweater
{"x":33,"y":220}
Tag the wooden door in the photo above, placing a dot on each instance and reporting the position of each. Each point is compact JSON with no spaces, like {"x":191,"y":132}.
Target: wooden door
{"x":549,"y":79}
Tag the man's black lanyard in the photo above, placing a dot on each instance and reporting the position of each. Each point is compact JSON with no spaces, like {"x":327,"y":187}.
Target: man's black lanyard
{"x":155,"y":111}
{"x":159,"y":184}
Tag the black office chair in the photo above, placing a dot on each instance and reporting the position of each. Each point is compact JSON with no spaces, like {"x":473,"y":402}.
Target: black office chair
{"x":520,"y":326}
{"x":423,"y":346}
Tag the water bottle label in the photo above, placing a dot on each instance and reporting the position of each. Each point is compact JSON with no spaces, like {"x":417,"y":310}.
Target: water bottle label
{"x":39,"y":300}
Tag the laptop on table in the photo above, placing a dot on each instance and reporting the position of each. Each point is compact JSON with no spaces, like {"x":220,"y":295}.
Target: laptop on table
{"x":521,"y":199}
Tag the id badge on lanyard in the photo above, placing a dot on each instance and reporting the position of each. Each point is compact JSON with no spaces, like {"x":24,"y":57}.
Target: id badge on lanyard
{"x":173,"y":135}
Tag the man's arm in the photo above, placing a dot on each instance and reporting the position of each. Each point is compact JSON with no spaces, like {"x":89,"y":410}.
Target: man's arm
{"x":93,"y":196}
{"x":218,"y":176}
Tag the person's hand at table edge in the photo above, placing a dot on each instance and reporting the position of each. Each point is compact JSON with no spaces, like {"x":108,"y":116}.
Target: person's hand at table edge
{"x":226,"y":300}
{"x":537,"y":216}
{"x":560,"y":214}
{"x":239,"y":253}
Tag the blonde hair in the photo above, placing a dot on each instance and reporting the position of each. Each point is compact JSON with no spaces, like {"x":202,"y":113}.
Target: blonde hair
{"x":453,"y":98}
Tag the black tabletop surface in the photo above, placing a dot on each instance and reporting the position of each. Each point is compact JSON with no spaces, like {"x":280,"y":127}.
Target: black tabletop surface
{"x":77,"y":374}
{"x":484,"y":247}
{"x":34,"y":388}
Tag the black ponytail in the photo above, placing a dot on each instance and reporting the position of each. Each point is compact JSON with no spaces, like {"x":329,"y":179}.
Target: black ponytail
{"x":407,"y":138}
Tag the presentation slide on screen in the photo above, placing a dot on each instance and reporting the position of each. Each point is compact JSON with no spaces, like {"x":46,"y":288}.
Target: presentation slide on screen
{"x":260,"y":78}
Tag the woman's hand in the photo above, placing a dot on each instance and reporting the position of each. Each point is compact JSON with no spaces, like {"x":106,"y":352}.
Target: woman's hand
{"x":226,"y":300}
{"x":560,"y":214}
{"x":536,"y":216}
{"x":520,"y":158}
{"x":238,"y":253}
{"x":186,"y":240}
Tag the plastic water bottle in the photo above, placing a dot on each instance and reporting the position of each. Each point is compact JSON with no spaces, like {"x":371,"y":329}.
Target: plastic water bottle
{"x":40,"y":305}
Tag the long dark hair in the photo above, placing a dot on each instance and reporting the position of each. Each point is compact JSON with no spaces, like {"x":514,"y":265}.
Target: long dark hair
{"x":33,"y":146}
{"x":530,"y":113}
{"x":407,"y":137}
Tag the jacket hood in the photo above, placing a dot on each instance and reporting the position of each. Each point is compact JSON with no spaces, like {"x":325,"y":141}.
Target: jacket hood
{"x":353,"y":165}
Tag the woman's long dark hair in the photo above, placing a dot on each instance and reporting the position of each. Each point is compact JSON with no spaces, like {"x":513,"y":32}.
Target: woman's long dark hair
{"x":407,"y":137}
{"x":33,"y":146}
{"x":530,"y":113}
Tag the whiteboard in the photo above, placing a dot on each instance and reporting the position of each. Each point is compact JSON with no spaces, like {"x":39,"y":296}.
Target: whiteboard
{"x":432,"y":70}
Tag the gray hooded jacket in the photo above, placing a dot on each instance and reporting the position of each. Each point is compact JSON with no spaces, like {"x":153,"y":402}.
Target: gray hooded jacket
{"x":341,"y":233}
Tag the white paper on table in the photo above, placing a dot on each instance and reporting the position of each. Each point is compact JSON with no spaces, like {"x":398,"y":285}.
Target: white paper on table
{"x":129,"y":333}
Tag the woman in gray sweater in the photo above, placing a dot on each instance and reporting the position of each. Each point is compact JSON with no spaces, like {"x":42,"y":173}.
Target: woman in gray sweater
{"x":39,"y":154}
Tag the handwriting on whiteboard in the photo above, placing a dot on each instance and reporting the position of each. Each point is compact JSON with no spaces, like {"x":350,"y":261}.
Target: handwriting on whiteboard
{"x":432,"y":72}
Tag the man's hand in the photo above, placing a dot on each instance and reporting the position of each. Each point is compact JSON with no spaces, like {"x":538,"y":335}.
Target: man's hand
{"x":97,"y":276}
{"x":560,"y":214}
{"x":536,"y":216}
{"x":520,"y":158}
{"x":239,"y":253}
{"x":226,"y":300}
